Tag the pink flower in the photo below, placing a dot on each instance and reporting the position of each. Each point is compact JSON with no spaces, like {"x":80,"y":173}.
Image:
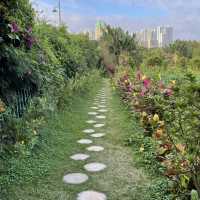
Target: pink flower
{"x":14,"y":27}
{"x":144,"y":90}
{"x":29,"y":30}
{"x":146,"y":83}
{"x":168,"y":92}
{"x":29,"y":41}
{"x":129,"y":88}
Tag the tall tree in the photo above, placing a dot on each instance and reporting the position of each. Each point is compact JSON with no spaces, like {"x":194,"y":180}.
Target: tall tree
{"x":119,"y":41}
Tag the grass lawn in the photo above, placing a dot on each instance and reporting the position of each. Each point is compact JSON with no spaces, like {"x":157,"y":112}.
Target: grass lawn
{"x":39,"y":177}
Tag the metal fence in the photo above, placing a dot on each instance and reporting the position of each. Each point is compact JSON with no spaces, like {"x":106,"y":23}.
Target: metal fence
{"x":20,"y":104}
{"x":23,"y":97}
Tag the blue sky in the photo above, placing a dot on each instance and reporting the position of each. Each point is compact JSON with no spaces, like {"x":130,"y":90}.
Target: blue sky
{"x":132,"y":15}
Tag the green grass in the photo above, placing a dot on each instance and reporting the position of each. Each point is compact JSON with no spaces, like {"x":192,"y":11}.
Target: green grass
{"x":152,"y":184}
{"x":39,"y":176}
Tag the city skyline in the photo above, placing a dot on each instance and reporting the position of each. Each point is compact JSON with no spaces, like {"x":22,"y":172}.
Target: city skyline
{"x":156,"y":37}
{"x":160,"y":36}
{"x":131,"y":15}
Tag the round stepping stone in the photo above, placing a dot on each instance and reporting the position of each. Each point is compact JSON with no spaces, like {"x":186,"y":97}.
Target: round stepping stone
{"x":94,"y":107}
{"x":88,"y":131}
{"x":84,"y":141}
{"x":91,"y":195}
{"x":80,"y":156}
{"x":92,"y":113}
{"x":102,"y":106}
{"x":75,"y":178}
{"x":102,"y":110}
{"x":99,"y":125}
{"x":98,"y":135}
{"x":91,"y":121}
{"x":95,"y":148}
{"x":94,"y":167}
{"x":100,"y":116}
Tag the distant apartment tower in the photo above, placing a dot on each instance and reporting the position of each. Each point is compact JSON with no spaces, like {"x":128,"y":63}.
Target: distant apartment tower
{"x":164,"y":36}
{"x":100,"y":25}
{"x":90,"y":34}
{"x":156,"y":37}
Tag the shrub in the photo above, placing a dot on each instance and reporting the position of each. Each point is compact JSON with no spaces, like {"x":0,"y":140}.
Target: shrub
{"x":169,"y":113}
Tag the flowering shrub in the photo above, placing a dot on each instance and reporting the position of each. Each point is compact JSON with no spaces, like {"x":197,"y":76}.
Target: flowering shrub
{"x":169,"y":113}
{"x":37,"y":60}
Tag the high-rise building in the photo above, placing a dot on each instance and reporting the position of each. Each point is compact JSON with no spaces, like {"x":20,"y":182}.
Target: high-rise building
{"x":164,"y":36}
{"x":89,"y":33}
{"x":100,"y":25}
{"x":157,"y":37}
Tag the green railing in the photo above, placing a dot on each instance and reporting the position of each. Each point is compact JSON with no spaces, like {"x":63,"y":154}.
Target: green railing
{"x":19,"y":105}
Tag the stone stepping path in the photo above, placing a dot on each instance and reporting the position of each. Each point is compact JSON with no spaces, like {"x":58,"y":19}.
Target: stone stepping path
{"x":102,"y":110}
{"x":79,"y":156}
{"x":96,"y":108}
{"x":88,"y":131}
{"x":79,"y":178}
{"x":100,"y":116}
{"x":91,"y":195}
{"x":84,"y":141}
{"x":101,"y":106}
{"x":75,"y":178}
{"x":98,"y":135}
{"x":94,"y":167}
{"x":92,"y":113}
{"x":91,"y":122}
{"x":99,"y":125}
{"x":95,"y":148}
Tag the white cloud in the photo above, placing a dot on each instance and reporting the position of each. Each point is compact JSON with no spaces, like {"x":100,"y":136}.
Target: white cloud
{"x":183,"y":15}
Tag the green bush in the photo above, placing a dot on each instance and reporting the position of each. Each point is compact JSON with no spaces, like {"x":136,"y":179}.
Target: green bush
{"x":43,"y":58}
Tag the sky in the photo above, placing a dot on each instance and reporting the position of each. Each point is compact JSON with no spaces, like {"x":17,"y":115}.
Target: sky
{"x":131,"y":15}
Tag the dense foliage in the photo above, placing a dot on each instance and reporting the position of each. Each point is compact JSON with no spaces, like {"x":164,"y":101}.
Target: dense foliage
{"x":48,"y":62}
{"x":163,"y":91}
{"x":119,"y":47}
{"x":169,"y":113}
{"x":37,"y":60}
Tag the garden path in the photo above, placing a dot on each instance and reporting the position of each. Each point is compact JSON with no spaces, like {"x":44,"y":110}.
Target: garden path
{"x":111,"y":163}
{"x":83,"y":156}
